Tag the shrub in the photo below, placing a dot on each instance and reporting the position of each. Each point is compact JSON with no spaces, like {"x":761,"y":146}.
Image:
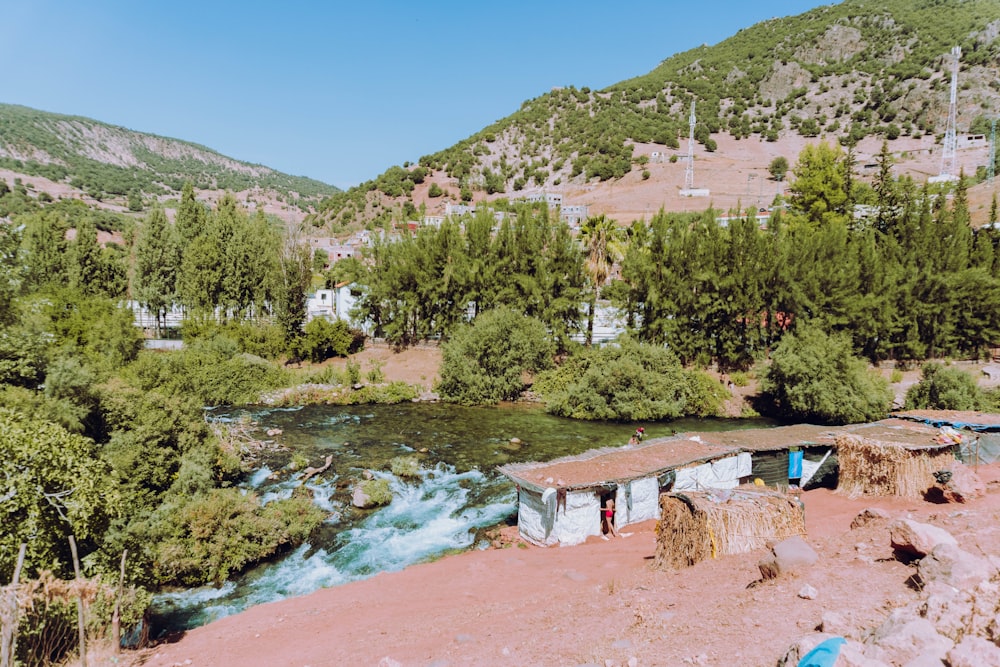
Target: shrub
{"x":207,"y":538}
{"x":486,"y":361}
{"x":323,"y":339}
{"x":814,"y":376}
{"x":945,"y":388}
{"x":629,"y":381}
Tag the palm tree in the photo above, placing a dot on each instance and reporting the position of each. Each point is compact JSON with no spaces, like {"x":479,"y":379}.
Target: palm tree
{"x":604,"y":244}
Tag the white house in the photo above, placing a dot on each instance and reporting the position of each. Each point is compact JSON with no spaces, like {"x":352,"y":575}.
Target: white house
{"x":560,"y":502}
{"x":333,"y":304}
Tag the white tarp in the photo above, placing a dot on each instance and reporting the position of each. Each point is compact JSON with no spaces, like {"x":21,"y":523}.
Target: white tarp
{"x":645,"y":502}
{"x":545,"y":524}
{"x":722,"y":474}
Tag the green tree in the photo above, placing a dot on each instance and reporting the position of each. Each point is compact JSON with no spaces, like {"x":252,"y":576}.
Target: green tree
{"x":778,"y":168}
{"x":486,"y":362}
{"x":816,"y":377}
{"x":55,"y":485}
{"x":818,"y":193}
{"x":604,"y":244}
{"x":191,"y":215}
{"x":945,"y":388}
{"x":157,"y":258}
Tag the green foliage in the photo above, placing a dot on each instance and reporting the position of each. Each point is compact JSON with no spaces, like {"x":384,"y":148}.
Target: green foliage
{"x":815,"y":377}
{"x":55,"y":486}
{"x":778,"y":168}
{"x":627,"y":381}
{"x":207,"y":538}
{"x":405,"y":467}
{"x":944,"y":387}
{"x":486,"y":362}
{"x":172,"y":167}
{"x":377,"y":491}
{"x":323,"y":339}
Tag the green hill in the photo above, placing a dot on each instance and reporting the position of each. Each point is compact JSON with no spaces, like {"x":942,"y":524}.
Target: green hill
{"x":105,"y":160}
{"x":850,"y":70}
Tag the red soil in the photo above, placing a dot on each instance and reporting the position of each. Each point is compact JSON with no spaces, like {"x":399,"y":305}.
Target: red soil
{"x":597,"y":603}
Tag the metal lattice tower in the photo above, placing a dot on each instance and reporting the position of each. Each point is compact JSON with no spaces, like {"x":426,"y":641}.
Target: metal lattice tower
{"x":993,"y":152}
{"x":689,"y":172}
{"x":950,"y":140}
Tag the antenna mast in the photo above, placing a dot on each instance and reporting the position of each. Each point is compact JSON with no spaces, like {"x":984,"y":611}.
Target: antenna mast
{"x":950,"y":140}
{"x":990,"y":169}
{"x":689,"y":172}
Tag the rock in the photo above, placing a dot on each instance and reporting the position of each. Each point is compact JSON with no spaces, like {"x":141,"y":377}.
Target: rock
{"x":789,"y":555}
{"x":914,"y":539}
{"x":622,"y":643}
{"x":360,"y":499}
{"x":963,"y":485}
{"x":271,"y":432}
{"x":389,"y":662}
{"x":948,"y":564}
{"x":515,"y":441}
{"x":905,"y":637}
{"x":834,"y":623}
{"x":974,"y":652}
{"x":807,"y":592}
{"x":870,"y":515}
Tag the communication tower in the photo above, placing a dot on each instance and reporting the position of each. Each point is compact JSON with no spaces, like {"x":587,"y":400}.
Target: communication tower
{"x":950,"y":138}
{"x":689,"y":189}
{"x":990,"y":168}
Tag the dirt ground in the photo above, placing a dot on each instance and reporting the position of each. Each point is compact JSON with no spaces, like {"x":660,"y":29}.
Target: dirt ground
{"x":599,"y":603}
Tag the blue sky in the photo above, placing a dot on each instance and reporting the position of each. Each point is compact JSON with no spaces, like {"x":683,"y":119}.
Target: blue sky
{"x":332,"y":90}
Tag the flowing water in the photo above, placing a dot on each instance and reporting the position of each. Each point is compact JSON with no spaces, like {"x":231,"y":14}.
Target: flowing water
{"x":457,"y":494}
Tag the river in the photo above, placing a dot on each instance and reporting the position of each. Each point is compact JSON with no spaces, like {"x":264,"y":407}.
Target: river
{"x":457,"y":495}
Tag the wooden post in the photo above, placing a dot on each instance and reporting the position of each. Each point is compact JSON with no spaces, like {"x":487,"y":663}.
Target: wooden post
{"x":80,"y":620}
{"x":8,"y":642}
{"x":116,"y":631}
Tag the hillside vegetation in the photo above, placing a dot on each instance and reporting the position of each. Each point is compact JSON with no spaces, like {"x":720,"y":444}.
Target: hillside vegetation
{"x":108,"y":161}
{"x":849,"y":70}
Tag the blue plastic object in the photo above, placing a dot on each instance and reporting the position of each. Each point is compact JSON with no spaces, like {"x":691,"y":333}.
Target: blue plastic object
{"x":825,"y":653}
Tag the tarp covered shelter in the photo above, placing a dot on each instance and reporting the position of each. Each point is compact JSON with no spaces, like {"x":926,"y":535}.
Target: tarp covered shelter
{"x":559,"y":502}
{"x":982,"y":442}
{"x":769,"y":449}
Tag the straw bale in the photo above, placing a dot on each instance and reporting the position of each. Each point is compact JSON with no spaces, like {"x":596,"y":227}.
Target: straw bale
{"x":695,"y":526}
{"x":870,"y":467}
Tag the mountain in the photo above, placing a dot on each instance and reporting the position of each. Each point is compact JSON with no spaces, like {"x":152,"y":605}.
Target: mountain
{"x":107,"y":162}
{"x":859,"y":72}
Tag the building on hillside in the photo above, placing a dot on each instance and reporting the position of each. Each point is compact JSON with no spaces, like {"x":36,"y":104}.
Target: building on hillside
{"x":560,"y":502}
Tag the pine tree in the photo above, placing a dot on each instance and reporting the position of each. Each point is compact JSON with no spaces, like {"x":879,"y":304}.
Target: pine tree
{"x":157,"y":258}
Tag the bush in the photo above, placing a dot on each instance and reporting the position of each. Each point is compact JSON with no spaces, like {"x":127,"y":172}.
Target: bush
{"x":629,"y":381}
{"x":207,"y":538}
{"x":323,"y":339}
{"x":487,"y":361}
{"x":815,"y":377}
{"x":945,"y":388}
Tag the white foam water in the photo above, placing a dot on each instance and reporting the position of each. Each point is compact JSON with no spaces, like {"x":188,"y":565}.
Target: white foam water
{"x":426,"y":518}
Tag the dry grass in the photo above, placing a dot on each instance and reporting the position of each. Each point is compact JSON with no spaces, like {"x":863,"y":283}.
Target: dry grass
{"x":696,"y":526}
{"x":875,"y":468}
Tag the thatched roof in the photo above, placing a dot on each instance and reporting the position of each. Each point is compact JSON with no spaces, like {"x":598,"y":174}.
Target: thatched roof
{"x":600,"y":467}
{"x":899,"y":433}
{"x":976,"y":421}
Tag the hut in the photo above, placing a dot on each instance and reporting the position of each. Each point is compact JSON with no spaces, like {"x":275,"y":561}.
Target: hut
{"x":698,"y":525}
{"x":559,"y":502}
{"x":770,"y":450}
{"x":891,"y":458}
{"x":979,"y":432}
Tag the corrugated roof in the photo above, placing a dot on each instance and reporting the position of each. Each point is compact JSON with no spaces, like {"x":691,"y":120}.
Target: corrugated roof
{"x":977,"y":421}
{"x":616,"y":464}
